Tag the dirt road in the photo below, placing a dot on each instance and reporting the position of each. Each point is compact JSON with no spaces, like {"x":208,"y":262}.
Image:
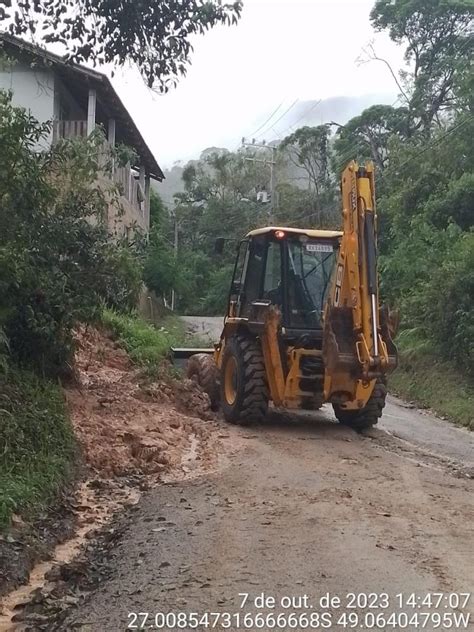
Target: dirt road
{"x":300,"y":508}
{"x":399,"y":419}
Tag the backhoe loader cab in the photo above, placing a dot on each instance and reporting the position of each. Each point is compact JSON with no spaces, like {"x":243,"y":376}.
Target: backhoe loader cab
{"x":303,"y":323}
{"x":288,"y":268}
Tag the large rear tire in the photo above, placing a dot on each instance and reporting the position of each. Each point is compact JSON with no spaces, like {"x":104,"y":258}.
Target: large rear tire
{"x":202,"y":368}
{"x":369,"y":415}
{"x":244,"y":389}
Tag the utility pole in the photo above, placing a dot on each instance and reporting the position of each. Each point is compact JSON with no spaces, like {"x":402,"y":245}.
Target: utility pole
{"x":176,"y":237}
{"x":272,"y":164}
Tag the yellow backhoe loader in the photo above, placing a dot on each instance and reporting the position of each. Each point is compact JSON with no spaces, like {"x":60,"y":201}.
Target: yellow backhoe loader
{"x":303,"y":324}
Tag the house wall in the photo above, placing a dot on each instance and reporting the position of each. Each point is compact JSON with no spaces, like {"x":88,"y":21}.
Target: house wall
{"x":122,"y":215}
{"x":47,"y":98}
{"x":122,"y":218}
{"x":32,"y":89}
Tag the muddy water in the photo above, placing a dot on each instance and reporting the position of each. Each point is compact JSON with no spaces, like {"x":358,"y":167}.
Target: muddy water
{"x":93,"y":511}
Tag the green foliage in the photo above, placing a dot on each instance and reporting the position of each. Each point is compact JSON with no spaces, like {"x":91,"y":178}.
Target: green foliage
{"x":428,"y":275}
{"x":366,"y":137}
{"x":439,"y":44}
{"x":158,"y":211}
{"x":147,"y":345}
{"x":220,"y":200}
{"x":309,"y":149}
{"x":152,"y":35}
{"x":431,"y":381}
{"x":215,"y":300}
{"x":57,"y":261}
{"x":450,"y":292}
{"x":455,"y":203}
{"x":160,"y":270}
{"x":36,"y":443}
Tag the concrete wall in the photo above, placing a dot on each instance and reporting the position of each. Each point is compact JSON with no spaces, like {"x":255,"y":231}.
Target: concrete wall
{"x":32,"y":89}
{"x":123,"y":217}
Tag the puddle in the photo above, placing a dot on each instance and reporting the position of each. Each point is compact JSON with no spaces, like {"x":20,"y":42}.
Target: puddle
{"x":95,"y":508}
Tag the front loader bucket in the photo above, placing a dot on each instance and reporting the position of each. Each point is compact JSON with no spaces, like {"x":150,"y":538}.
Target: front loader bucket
{"x":180,"y":355}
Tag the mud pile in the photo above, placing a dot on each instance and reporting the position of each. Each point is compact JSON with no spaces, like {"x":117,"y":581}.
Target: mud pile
{"x":128,"y":425}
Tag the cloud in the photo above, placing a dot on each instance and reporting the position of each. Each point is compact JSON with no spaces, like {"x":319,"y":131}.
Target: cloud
{"x":281,"y":50}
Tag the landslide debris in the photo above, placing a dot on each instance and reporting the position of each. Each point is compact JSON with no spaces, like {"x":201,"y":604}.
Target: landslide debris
{"x":133,"y":432}
{"x":126,"y":424}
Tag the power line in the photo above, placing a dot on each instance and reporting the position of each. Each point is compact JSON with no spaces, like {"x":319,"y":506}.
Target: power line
{"x":302,"y":117}
{"x":437,"y":141}
{"x":268,"y":119}
{"x":279,"y":119}
{"x":424,"y":150}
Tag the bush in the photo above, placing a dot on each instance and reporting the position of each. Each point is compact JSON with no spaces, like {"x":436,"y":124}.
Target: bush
{"x":429,"y":276}
{"x":215,"y":301}
{"x":57,"y":261}
{"x":147,"y":345}
{"x":36,"y":443}
{"x":160,"y":270}
{"x":450,"y":292}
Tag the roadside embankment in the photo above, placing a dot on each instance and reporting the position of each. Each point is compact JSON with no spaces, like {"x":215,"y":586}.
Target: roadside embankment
{"x":37,"y":443}
{"x":67,"y":452}
{"x":432,"y":382}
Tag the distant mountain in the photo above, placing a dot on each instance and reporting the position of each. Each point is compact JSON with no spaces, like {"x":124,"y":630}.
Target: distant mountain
{"x":335,"y":109}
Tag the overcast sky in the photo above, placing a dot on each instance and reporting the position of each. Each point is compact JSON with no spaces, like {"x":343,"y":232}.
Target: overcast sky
{"x":280,"y":51}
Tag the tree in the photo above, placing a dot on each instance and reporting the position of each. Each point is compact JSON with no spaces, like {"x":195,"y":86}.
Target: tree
{"x":160,"y":269}
{"x":439,"y":39}
{"x":308,"y":149}
{"x":367,"y":136}
{"x":57,"y":261}
{"x":153,"y":34}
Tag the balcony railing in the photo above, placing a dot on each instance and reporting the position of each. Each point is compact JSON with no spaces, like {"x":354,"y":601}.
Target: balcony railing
{"x":129,"y":186}
{"x":69,"y":129}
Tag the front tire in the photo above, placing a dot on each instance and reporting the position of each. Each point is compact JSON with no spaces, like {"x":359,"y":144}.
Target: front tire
{"x":369,"y":415}
{"x":202,"y":368}
{"x":244,"y":389}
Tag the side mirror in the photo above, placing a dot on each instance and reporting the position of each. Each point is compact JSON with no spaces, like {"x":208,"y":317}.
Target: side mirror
{"x":219,"y":245}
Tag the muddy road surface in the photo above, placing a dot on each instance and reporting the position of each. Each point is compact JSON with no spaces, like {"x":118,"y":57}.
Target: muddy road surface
{"x":302,"y":517}
{"x":301,"y":525}
{"x":399,"y":419}
{"x":301,"y":507}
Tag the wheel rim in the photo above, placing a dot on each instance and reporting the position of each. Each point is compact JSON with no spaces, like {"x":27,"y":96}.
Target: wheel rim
{"x":230,"y":380}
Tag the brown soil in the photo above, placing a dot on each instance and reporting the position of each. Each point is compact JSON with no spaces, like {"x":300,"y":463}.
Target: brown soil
{"x":127,"y":425}
{"x":132,"y":433}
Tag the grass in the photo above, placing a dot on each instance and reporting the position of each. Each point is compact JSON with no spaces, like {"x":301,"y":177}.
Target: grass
{"x":37,"y":445}
{"x":146,"y":344}
{"x":433,"y":382}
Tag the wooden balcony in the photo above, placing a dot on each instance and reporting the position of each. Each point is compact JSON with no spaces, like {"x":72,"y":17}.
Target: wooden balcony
{"x":69,"y":129}
{"x":130,"y":187}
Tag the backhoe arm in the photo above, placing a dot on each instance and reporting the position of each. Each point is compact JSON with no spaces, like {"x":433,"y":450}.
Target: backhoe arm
{"x":357,"y":346}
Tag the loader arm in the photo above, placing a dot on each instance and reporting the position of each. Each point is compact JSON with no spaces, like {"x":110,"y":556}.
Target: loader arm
{"x":357,"y":348}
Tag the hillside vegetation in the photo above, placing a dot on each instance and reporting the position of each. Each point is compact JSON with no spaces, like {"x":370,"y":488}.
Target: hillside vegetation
{"x":58,"y":268}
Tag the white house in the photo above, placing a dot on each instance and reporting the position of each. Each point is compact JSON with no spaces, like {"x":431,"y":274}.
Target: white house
{"x":76,"y":99}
